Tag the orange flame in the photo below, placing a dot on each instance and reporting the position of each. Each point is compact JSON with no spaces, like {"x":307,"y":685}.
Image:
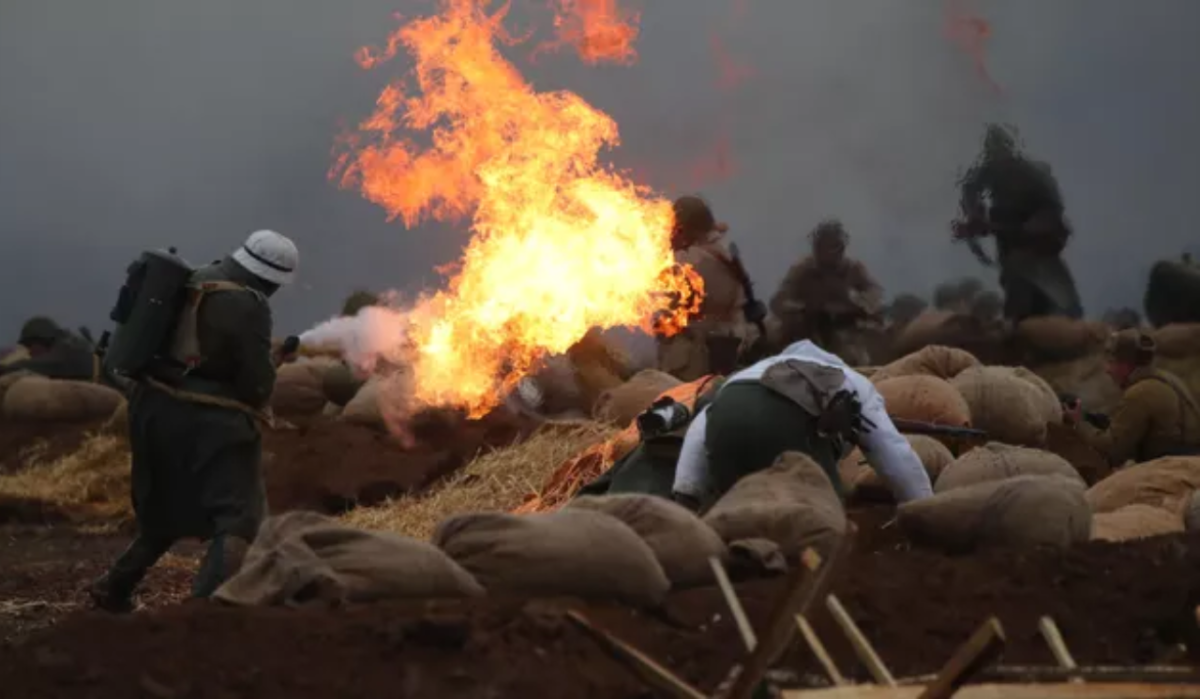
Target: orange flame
{"x":561,"y":243}
{"x":598,"y":30}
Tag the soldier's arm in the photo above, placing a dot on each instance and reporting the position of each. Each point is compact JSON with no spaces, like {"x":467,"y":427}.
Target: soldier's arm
{"x":246,"y":320}
{"x":1128,"y":425}
{"x":789,"y":290}
{"x":870,"y":292}
{"x":971,"y":189}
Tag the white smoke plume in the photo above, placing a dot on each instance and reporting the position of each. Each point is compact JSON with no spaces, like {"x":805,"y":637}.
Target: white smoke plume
{"x":373,"y":341}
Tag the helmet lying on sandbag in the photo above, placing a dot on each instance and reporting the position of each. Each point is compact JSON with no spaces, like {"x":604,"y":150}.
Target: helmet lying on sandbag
{"x":1173,"y":293}
{"x":146,"y":311}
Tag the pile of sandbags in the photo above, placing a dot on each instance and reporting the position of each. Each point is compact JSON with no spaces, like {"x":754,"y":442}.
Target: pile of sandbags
{"x":340,"y":383}
{"x":1085,"y":378}
{"x":572,"y":552}
{"x":300,"y":386}
{"x":383,"y":400}
{"x":600,"y":365}
{"x":996,"y":462}
{"x":1167,"y":483}
{"x":862,"y":482}
{"x":1006,"y":404}
{"x":1059,"y":338}
{"x":925,"y":399}
{"x":1135,"y":522}
{"x":37,"y":398}
{"x":792,"y":503}
{"x":17,"y":354}
{"x":1023,"y":511}
{"x":300,"y":556}
{"x":622,"y":404}
{"x":929,"y":328}
{"x":936,"y":360}
{"x":681,"y":541}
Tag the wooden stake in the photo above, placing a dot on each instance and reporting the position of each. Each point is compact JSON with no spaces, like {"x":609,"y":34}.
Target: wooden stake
{"x":803,"y":589}
{"x":1057,"y":645}
{"x":749,"y":640}
{"x":818,"y":649}
{"x":979,"y":650}
{"x":862,"y":647}
{"x":651,"y":672}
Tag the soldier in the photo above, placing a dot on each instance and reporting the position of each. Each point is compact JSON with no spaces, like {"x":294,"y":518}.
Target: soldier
{"x":713,"y":340}
{"x":1157,"y":415}
{"x":829,"y":297}
{"x":1017,"y":200}
{"x":904,"y":309}
{"x":194,"y":438}
{"x":54,"y":352}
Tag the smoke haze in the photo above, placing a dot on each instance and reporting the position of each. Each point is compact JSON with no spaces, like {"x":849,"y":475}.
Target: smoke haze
{"x":132,"y":124}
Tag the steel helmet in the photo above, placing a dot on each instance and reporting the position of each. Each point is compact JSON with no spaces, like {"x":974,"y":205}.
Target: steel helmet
{"x":269,"y":256}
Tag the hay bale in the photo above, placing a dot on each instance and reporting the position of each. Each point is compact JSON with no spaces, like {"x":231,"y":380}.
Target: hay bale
{"x":36,"y":398}
{"x":1006,"y":406}
{"x":792,"y":503}
{"x":1026,"y":511}
{"x":925,"y":398}
{"x":863,"y":482}
{"x":572,"y":552}
{"x":1165,"y":483}
{"x":297,"y":552}
{"x":1135,"y":522}
{"x":996,"y":462}
{"x":1059,"y":338}
{"x":1178,"y":340}
{"x":941,"y":362}
{"x":91,"y":483}
{"x":1086,"y":378}
{"x":499,"y":480}
{"x":300,"y":386}
{"x":680,"y":540}
{"x":622,"y":404}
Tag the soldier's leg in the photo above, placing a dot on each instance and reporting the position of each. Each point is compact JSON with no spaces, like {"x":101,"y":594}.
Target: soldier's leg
{"x":114,"y":591}
{"x":235,"y":500}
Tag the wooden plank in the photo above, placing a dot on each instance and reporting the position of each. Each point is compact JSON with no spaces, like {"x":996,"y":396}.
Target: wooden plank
{"x":652,"y":673}
{"x":1107,"y":674}
{"x":862,"y":647}
{"x":803,"y":589}
{"x":980,"y":649}
{"x":818,"y":649}
{"x":1009,"y":691}
{"x":749,"y":639}
{"x":1058,"y":646}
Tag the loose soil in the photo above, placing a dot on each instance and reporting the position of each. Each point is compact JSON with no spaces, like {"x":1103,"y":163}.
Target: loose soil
{"x":1115,"y":603}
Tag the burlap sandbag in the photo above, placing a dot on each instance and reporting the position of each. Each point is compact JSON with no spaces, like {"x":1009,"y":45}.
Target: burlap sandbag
{"x":1049,"y":406}
{"x":303,"y":555}
{"x":1135,"y":522}
{"x":862,"y":482}
{"x":17,"y":354}
{"x":939,"y":361}
{"x":792,"y":503}
{"x":1025,"y":511}
{"x":680,"y":540}
{"x":1004,"y":405}
{"x":339,"y":384}
{"x":7,"y":381}
{"x":1178,"y":341}
{"x":923,"y":331}
{"x":364,"y":408}
{"x":1059,"y":338}
{"x":997,"y":462}
{"x":622,"y":404}
{"x":1191,"y":512}
{"x":1086,"y":378}
{"x":1166,"y":483}
{"x":926,"y":399}
{"x":51,"y":400}
{"x":299,"y":386}
{"x":573,"y":552}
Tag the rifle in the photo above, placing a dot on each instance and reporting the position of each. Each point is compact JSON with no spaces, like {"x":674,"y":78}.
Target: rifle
{"x":935,"y":430}
{"x":753,"y":308}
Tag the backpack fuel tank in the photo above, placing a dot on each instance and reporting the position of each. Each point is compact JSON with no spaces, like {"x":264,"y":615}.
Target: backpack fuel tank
{"x":146,"y":313}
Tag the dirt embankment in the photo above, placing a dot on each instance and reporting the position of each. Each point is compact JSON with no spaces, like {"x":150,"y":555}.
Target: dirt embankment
{"x":1128,"y":603}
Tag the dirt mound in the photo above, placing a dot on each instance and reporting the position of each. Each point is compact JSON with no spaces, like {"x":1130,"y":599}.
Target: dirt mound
{"x":916,"y":607}
{"x":331,"y":466}
{"x":23,"y":444}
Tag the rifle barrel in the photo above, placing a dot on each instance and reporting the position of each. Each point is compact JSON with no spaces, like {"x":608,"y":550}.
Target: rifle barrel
{"x":930,"y":428}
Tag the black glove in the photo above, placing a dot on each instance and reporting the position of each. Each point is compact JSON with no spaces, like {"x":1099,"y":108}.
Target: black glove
{"x":843,"y":418}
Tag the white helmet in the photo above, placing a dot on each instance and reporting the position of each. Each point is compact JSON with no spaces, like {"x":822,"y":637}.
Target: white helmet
{"x":269,"y":256}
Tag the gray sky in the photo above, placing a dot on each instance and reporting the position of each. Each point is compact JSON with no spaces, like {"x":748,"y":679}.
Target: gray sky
{"x":131,"y":124}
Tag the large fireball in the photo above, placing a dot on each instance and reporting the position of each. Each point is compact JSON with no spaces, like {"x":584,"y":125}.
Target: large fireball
{"x":560,"y":244}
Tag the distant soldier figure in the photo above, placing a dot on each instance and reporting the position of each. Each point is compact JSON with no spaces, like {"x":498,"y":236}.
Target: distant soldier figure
{"x":828,"y":297}
{"x":904,"y":309}
{"x":714,"y":338}
{"x":1157,"y":416}
{"x":1017,"y":200}
{"x":54,"y":352}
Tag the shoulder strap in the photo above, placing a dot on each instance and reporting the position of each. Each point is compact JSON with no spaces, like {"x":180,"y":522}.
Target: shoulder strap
{"x":719,"y":255}
{"x":185,"y":345}
{"x":1186,"y":401}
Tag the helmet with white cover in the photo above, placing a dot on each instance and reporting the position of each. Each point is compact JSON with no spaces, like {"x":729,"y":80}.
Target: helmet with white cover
{"x":269,"y":256}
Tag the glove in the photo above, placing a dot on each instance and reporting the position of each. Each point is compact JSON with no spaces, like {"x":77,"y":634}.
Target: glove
{"x":843,"y":417}
{"x":755,"y":311}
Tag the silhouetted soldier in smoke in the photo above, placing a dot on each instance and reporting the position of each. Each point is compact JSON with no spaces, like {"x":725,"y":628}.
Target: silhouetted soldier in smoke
{"x":1017,"y":200}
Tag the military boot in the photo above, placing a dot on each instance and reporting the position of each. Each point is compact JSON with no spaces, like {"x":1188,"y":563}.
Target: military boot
{"x":113,"y":592}
{"x":222,"y":560}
